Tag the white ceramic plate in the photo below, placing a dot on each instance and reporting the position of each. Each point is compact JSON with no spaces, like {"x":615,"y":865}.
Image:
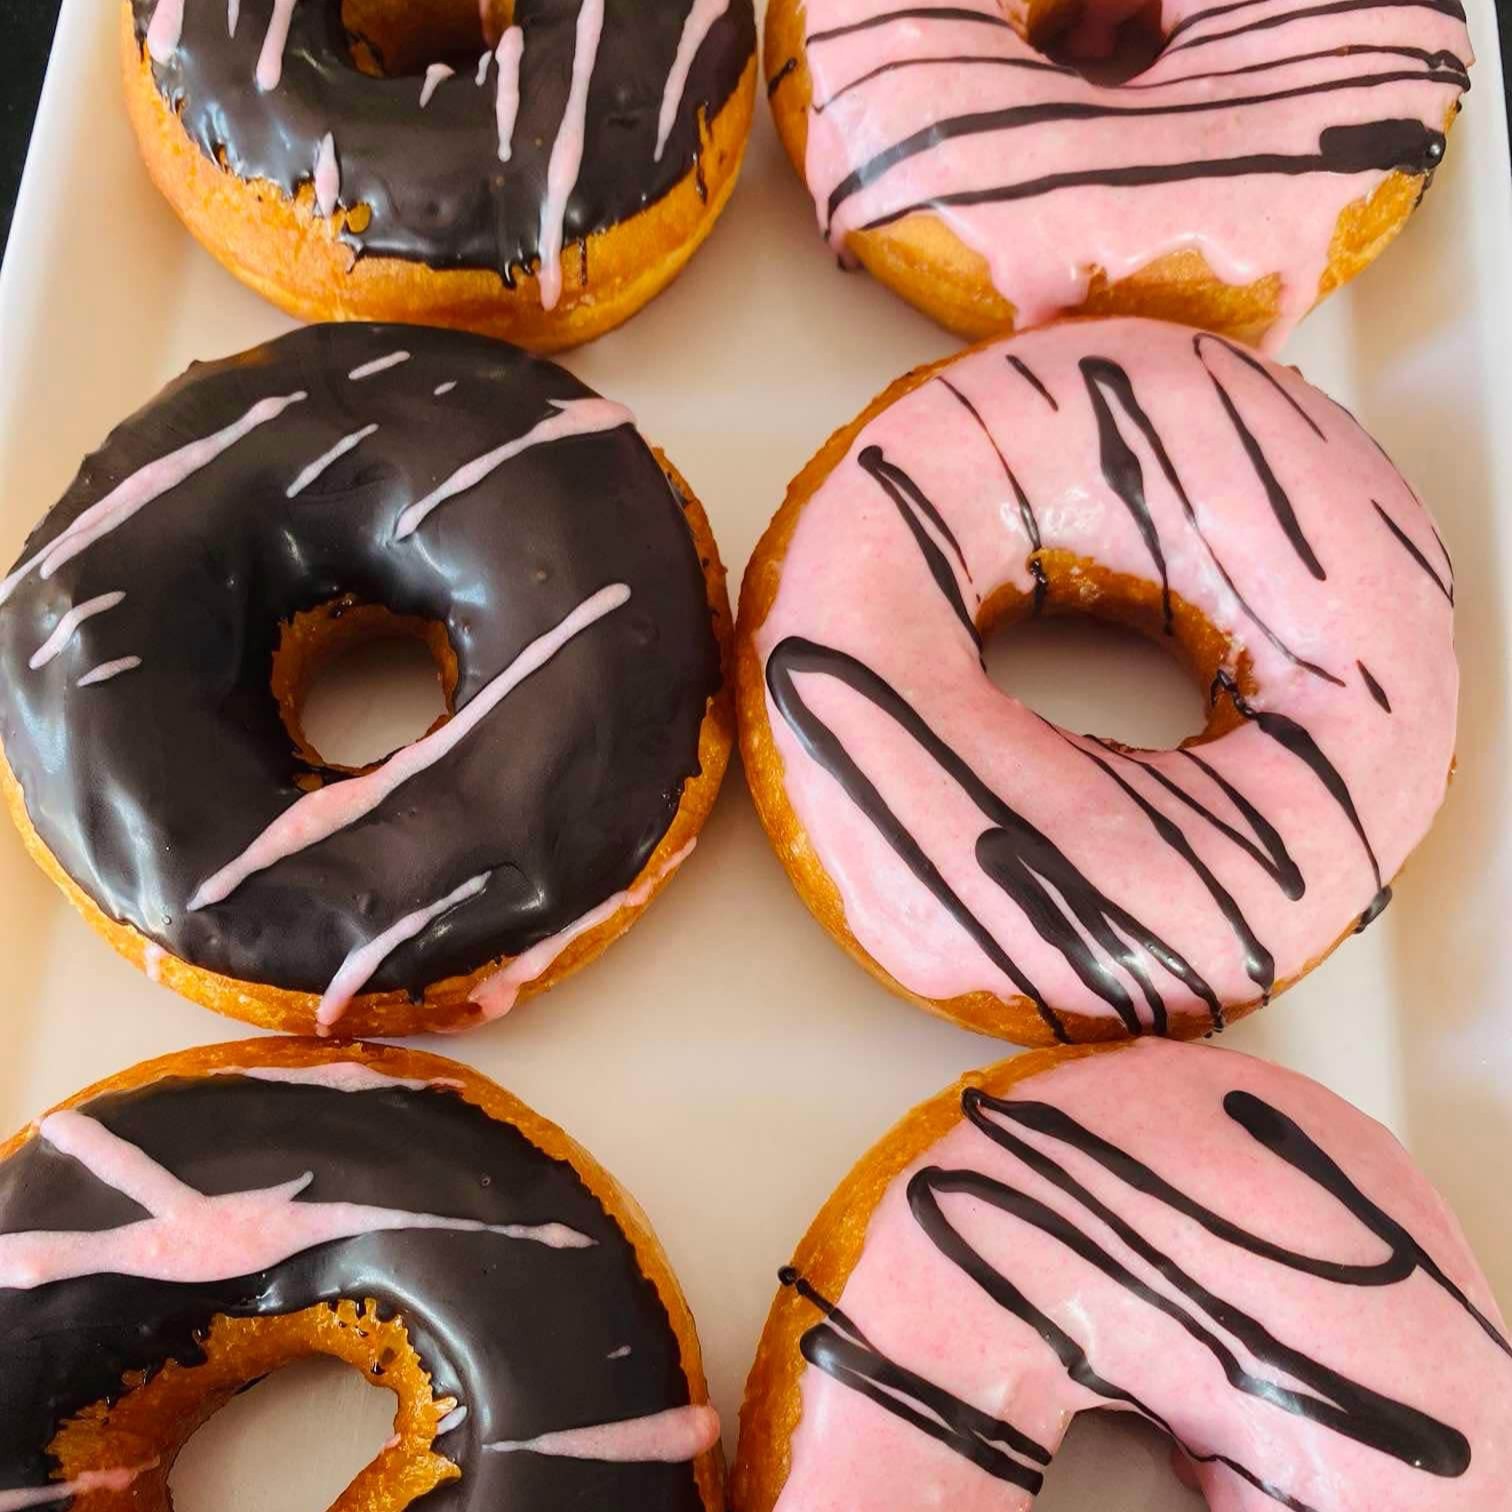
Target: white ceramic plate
{"x":726,"y":1061}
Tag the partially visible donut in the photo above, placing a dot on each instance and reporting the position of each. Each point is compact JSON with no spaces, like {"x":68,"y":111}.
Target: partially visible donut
{"x":1269,"y":152}
{"x":177,"y":1232}
{"x":1041,"y":884}
{"x":538,"y":176}
{"x":345,"y":481}
{"x":1216,"y":1244}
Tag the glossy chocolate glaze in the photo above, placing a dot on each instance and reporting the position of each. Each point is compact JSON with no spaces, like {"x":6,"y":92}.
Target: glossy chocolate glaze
{"x":145,"y":785}
{"x":520,"y":1333}
{"x":432,"y":176}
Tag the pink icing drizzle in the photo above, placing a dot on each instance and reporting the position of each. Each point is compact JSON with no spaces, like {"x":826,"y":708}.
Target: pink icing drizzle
{"x":854,"y":579}
{"x":81,"y":1485}
{"x":435,"y":75}
{"x":327,"y":176}
{"x":364,"y":960}
{"x":1163,"y":1104}
{"x":1041,"y":250}
{"x":313,"y":817}
{"x":107,"y":670}
{"x":378,"y":365}
{"x":233,"y":16}
{"x":190,"y":1237}
{"x":270,"y":59}
{"x":444,"y":388}
{"x":453,"y":1419}
{"x":64,"y":630}
{"x":573,"y":417}
{"x":152,"y":961}
{"x":141,"y":488}
{"x":165,"y":29}
{"x":700,"y":22}
{"x":483,"y":63}
{"x":567,"y":151}
{"x":334,"y":1076}
{"x":671,"y":1437}
{"x":497,"y":994}
{"x":507,"y":101}
{"x":325,"y":459}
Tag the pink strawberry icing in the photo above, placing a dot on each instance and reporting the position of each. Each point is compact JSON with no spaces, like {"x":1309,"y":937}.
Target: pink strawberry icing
{"x":1170,"y":864}
{"x":1222,"y":145}
{"x":1406,"y":1338}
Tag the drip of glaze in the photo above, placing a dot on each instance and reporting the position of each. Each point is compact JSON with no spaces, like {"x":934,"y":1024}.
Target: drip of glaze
{"x":326,"y":458}
{"x":497,"y":994}
{"x":324,"y":812}
{"x":481,"y":77}
{"x":435,"y":75}
{"x":567,"y":151}
{"x":153,"y":956}
{"x":507,"y":98}
{"x":275,"y":39}
{"x":378,"y":365}
{"x":165,"y":29}
{"x":141,"y":488}
{"x":191,"y":1238}
{"x":69,"y":623}
{"x":570,"y":417}
{"x":108,"y":670}
{"x":365,"y":959}
{"x":233,"y":16}
{"x":327,"y":176}
{"x":696,"y":28}
{"x":673,"y":1436}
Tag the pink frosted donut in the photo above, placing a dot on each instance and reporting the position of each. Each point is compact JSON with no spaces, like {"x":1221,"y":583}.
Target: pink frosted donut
{"x":1219,"y":1245}
{"x":1039,"y":884}
{"x":1269,"y":151}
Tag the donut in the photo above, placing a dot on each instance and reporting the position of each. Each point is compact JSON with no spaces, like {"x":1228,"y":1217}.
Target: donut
{"x":177,"y":1232}
{"x":366,"y":161}
{"x":1042,"y":885}
{"x":1216,"y":1244}
{"x":262,"y":514}
{"x":1268,"y":152}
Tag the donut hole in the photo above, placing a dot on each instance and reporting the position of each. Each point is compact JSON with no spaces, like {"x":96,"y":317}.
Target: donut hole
{"x":401,"y":38}
{"x":1093,"y":653}
{"x":1108,"y":42}
{"x":1116,"y":1459}
{"x":314,"y":1423}
{"x":355,"y":682}
{"x":147,"y":1424}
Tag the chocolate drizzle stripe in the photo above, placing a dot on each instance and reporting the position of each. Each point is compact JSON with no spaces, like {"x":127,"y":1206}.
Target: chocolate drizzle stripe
{"x":1377,"y":692}
{"x":1021,"y":499}
{"x":1406,"y":543}
{"x":909,"y":13}
{"x":1124,"y":475}
{"x":1441,"y":60}
{"x":1450,"y":8}
{"x":1018,"y":117}
{"x":1202,"y":339}
{"x":785,"y":72}
{"x":1024,"y":371}
{"x":1287,"y":1378}
{"x":1374,"y":147}
{"x":1097,"y":937}
{"x":910,"y":503}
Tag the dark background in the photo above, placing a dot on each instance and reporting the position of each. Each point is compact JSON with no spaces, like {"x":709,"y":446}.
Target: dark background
{"x":26,"y":28}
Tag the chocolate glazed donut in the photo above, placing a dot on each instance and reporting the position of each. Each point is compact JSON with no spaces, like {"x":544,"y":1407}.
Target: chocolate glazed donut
{"x":265,"y":507}
{"x":447,"y":193}
{"x":201,"y":1220}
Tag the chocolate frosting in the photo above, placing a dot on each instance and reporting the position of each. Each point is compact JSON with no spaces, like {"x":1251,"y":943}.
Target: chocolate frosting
{"x":432,"y":177}
{"x":519,"y":1332}
{"x":145,"y":785}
